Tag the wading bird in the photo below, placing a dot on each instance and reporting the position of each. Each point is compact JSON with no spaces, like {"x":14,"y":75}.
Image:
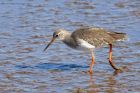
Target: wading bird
{"x":89,"y":38}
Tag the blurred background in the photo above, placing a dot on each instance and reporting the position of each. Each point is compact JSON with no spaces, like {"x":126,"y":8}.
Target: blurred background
{"x":26,"y":26}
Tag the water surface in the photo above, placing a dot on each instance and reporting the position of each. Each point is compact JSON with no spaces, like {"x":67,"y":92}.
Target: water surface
{"x":26,"y":27}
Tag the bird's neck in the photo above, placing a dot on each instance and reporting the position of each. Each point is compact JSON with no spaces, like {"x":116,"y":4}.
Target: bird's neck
{"x":68,"y":40}
{"x":67,"y":37}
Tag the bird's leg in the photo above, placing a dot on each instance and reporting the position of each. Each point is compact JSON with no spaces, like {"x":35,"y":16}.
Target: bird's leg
{"x":92,"y":62}
{"x":110,"y":58}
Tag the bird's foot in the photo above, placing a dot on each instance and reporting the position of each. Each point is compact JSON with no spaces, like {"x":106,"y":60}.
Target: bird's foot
{"x":90,"y":72}
{"x":124,"y":68}
{"x":120,"y":70}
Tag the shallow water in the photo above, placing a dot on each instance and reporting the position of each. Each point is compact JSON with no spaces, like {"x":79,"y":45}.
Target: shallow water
{"x":26,"y":27}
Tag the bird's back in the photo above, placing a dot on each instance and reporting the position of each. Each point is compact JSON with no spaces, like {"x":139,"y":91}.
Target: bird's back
{"x":97,"y":36}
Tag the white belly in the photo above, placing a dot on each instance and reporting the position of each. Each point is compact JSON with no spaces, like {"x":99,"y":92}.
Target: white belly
{"x":82,"y":44}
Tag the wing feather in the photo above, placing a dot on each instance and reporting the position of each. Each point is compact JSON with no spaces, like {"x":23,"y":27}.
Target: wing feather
{"x":93,"y":35}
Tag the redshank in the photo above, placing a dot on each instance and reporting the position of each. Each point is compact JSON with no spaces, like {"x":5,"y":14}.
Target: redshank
{"x":89,"y":38}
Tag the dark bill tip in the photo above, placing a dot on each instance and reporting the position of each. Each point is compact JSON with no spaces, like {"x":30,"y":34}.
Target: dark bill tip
{"x":49,"y":44}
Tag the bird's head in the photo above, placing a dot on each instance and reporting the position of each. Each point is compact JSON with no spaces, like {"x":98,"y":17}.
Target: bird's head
{"x":58,"y":34}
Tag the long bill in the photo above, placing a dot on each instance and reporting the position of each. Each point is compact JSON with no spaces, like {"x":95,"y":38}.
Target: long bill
{"x":53,"y":39}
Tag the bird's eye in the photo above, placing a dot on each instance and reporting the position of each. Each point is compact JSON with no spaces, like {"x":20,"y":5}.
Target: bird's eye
{"x":56,"y":35}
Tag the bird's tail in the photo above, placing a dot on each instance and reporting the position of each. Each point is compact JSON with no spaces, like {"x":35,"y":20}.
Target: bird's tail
{"x":119,"y":36}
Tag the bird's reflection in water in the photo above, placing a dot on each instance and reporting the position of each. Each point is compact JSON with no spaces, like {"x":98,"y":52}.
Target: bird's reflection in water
{"x":108,"y":86}
{"x":92,"y":85}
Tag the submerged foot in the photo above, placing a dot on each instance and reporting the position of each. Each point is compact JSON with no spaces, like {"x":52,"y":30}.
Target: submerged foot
{"x":90,"y":72}
{"x":120,"y":70}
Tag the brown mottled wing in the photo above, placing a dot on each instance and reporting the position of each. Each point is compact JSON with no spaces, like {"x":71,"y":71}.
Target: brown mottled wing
{"x":118,"y":36}
{"x":94,"y":36}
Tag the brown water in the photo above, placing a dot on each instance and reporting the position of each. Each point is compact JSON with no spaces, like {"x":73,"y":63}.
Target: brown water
{"x":26,"y":27}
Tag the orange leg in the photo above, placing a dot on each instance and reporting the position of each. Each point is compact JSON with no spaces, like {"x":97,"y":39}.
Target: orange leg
{"x":92,"y":62}
{"x":110,"y":58}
